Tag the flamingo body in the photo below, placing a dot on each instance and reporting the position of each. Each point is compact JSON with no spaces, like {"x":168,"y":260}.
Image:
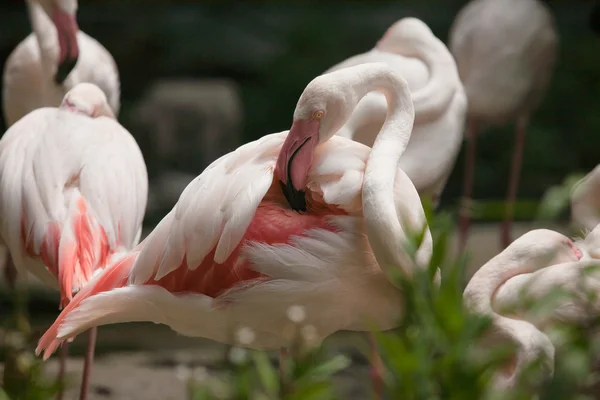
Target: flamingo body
{"x":243,"y":260}
{"x":28,"y":79}
{"x":505,"y":52}
{"x":499,"y":283}
{"x":73,"y":191}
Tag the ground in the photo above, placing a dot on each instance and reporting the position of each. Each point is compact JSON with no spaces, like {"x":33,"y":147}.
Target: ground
{"x":140,"y":361}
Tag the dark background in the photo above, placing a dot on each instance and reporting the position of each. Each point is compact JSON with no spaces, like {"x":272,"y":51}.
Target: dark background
{"x":273,"y":49}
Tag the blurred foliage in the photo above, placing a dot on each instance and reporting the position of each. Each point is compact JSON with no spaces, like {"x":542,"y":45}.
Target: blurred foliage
{"x":23,"y":376}
{"x":557,"y":198}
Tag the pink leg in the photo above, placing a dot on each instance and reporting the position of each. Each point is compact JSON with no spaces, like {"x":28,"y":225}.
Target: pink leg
{"x":465,"y":207}
{"x":87,"y":364}
{"x":513,"y":183}
{"x":64,"y":351}
{"x":376,"y":368}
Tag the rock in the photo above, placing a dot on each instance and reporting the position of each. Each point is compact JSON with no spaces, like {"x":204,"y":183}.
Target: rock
{"x":184,"y":125}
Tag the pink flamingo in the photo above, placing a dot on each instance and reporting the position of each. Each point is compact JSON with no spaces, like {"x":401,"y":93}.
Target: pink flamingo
{"x":295,"y":218}
{"x":73,"y":191}
{"x":439,"y":99}
{"x":505,"y":51}
{"x":532,"y":265}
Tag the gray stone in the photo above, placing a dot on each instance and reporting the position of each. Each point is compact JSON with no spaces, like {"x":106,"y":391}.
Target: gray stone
{"x":184,"y":125}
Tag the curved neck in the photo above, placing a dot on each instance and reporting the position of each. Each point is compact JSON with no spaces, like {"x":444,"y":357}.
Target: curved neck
{"x":478,"y":296}
{"x":44,"y":30}
{"x":432,"y":100}
{"x":384,"y":230}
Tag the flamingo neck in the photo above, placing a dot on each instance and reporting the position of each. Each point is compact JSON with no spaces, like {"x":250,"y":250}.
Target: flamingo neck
{"x":384,"y":231}
{"x":432,"y":100}
{"x":46,"y":35}
{"x":530,"y":341}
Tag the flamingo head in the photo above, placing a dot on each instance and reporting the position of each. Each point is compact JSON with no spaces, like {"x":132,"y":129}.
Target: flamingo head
{"x":322,"y":110}
{"x":63,"y":15}
{"x":87,"y":99}
{"x":403,"y":35}
{"x":543,"y":247}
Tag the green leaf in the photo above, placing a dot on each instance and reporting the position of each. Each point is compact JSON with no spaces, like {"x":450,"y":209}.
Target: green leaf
{"x":328,"y":368}
{"x":267,"y":374}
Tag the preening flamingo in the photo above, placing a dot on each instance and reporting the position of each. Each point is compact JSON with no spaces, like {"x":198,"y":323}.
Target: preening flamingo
{"x":52,"y":60}
{"x":505,"y":51}
{"x":295,"y":218}
{"x":73,"y":192}
{"x":439,"y":100}
{"x":494,"y":285}
{"x":585,"y":201}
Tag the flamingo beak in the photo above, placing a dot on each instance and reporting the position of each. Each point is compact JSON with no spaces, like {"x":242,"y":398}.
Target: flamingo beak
{"x":295,"y":159}
{"x":66,"y":28}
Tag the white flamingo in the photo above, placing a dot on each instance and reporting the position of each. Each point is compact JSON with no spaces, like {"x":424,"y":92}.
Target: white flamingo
{"x":523,"y":265}
{"x":505,"y":51}
{"x":438,"y":96}
{"x":52,"y":60}
{"x":73,"y":192}
{"x":295,"y":218}
{"x":48,"y":63}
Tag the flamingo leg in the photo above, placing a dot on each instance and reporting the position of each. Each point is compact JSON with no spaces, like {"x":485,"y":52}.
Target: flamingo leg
{"x":465,"y":207}
{"x":513,"y":183}
{"x":376,"y":369}
{"x":87,"y":364}
{"x":64,"y":351}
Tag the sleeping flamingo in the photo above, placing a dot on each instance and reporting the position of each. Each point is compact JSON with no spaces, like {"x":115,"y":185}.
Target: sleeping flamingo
{"x":73,"y":191}
{"x":438,"y":96}
{"x":505,"y":51}
{"x":522,"y":265}
{"x":295,"y":218}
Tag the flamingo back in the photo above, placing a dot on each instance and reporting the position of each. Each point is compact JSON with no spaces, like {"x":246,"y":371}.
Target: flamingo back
{"x":73,"y":192}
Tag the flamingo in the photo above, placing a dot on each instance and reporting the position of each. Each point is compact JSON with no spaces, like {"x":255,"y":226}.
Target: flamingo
{"x":300,"y":217}
{"x":505,"y":51}
{"x":439,"y":99}
{"x":50,"y":62}
{"x":73,"y":192}
{"x":499,"y":282}
{"x":585,"y":201}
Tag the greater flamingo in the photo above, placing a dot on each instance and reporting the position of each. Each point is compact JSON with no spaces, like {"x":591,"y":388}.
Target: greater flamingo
{"x":438,"y":96}
{"x":500,"y":281}
{"x":48,"y":63}
{"x":295,"y":218}
{"x":585,"y":201}
{"x":52,"y":60}
{"x":505,"y":51}
{"x":73,"y":192}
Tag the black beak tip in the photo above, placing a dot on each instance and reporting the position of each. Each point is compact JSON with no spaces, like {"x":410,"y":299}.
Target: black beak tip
{"x":295,"y":198}
{"x":64,"y":69}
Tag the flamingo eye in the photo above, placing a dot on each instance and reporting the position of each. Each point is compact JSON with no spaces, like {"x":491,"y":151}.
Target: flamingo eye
{"x":318,"y":114}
